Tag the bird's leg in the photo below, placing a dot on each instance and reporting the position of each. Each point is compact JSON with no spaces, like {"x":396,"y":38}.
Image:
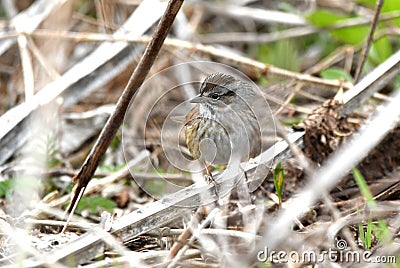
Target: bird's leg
{"x":245,"y":175}
{"x":209,"y":178}
{"x":244,"y":172}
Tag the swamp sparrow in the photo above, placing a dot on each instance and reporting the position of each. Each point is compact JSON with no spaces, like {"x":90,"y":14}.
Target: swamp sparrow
{"x":223,"y":125}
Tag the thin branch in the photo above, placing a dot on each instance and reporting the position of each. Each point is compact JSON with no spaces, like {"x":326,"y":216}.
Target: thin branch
{"x":114,"y":122}
{"x":369,"y":41}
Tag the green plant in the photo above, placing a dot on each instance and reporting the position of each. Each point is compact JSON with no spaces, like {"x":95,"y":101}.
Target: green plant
{"x":335,"y":73}
{"x":93,"y":203}
{"x":279,"y":177}
{"x":333,"y":23}
{"x":365,"y":237}
{"x":379,"y":229}
{"x":362,"y":184}
{"x":6,"y":187}
{"x":292,"y":121}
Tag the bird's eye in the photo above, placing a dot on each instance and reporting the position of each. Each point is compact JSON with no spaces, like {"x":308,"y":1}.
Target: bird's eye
{"x":214,"y":96}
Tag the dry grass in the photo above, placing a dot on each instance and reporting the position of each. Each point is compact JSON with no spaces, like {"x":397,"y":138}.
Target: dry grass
{"x":63,"y":66}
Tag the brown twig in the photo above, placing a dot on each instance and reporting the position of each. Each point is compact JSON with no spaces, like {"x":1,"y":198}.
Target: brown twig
{"x":357,"y":76}
{"x":114,"y":122}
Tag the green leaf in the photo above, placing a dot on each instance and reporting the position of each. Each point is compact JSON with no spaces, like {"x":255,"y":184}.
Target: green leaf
{"x":370,"y":3}
{"x":363,"y":186}
{"x":323,"y":18}
{"x":391,"y":5}
{"x":279,"y":176}
{"x":5,"y":187}
{"x":292,"y":121}
{"x":93,"y":203}
{"x":380,"y":50}
{"x":352,"y":35}
{"x":335,"y":74}
{"x":388,"y":5}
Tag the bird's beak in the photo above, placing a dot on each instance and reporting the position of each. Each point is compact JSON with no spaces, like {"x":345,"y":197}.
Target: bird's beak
{"x":198,"y":99}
